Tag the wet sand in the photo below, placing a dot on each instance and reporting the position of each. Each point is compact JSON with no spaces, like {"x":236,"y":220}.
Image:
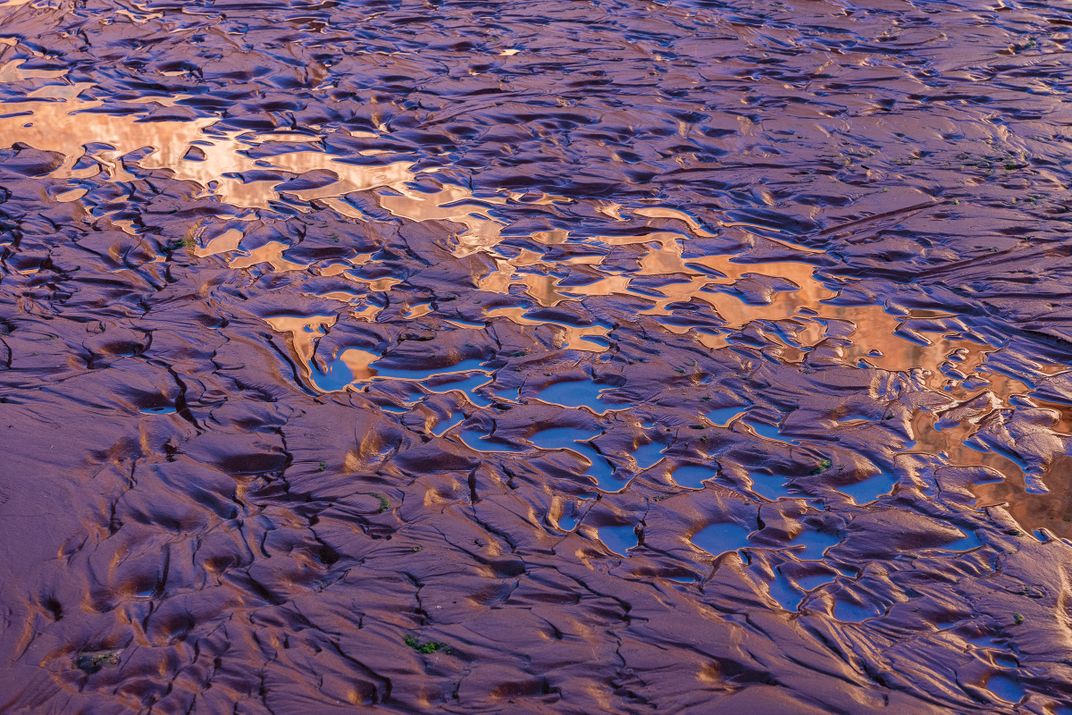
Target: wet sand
{"x":705,"y":357}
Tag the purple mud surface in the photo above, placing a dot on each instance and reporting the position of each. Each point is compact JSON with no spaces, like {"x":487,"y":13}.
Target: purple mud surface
{"x":550,"y":356}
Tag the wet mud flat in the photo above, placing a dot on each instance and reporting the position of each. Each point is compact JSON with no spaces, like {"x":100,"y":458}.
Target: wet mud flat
{"x":535,"y":357}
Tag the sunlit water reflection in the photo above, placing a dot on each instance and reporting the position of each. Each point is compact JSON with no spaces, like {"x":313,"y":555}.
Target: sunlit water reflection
{"x":785,"y":300}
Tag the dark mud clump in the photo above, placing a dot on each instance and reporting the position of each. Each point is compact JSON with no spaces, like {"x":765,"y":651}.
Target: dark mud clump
{"x":93,"y":662}
{"x":557,"y":356}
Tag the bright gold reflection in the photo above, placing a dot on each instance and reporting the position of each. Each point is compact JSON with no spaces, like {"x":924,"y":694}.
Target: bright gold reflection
{"x":13,"y":72}
{"x":341,"y":371}
{"x":55,"y":117}
{"x":788,"y":294}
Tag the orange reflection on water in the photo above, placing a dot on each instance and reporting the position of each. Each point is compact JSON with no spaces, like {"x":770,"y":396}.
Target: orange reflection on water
{"x":948,"y":362}
{"x":304,"y":333}
{"x":12,"y":72}
{"x":270,"y":253}
{"x":55,"y":118}
{"x":569,"y":337}
{"x":224,"y":243}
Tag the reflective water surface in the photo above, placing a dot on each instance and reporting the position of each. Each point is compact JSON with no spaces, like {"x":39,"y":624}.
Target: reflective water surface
{"x":607,"y":357}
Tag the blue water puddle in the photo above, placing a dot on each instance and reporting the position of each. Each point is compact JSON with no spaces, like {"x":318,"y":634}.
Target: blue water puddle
{"x":693,"y":475}
{"x":466,"y":376}
{"x":815,"y":544}
{"x":335,"y":377}
{"x":403,"y":374}
{"x":1006,"y":660}
{"x":846,"y":570}
{"x":597,"y":340}
{"x":165,"y":410}
{"x":682,"y":579}
{"x":576,"y":393}
{"x":619,"y":539}
{"x":395,"y":410}
{"x":442,"y":426}
{"x":467,"y":384}
{"x":769,"y":432}
{"x":815,"y":580}
{"x":600,"y":468}
{"x":984,"y":639}
{"x":771,"y":486}
{"x":869,"y":489}
{"x":485,"y":443}
{"x":848,"y":612}
{"x":648,"y":455}
{"x":787,"y":596}
{"x":571,"y":516}
{"x":561,"y":437}
{"x":513,"y":394}
{"x":718,"y":539}
{"x":576,"y":441}
{"x":1005,"y":687}
{"x":980,"y":446}
{"x":568,"y":522}
{"x":967,"y":543}
{"x":721,"y":416}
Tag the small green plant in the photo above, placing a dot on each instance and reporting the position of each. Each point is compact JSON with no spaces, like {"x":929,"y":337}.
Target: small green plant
{"x":323,"y":466}
{"x":385,"y":504}
{"x":428,"y":647}
{"x":824,"y":464}
{"x":1018,"y":618}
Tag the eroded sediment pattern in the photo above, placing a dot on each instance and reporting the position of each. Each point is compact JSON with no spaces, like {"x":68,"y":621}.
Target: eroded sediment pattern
{"x":550,"y":356}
